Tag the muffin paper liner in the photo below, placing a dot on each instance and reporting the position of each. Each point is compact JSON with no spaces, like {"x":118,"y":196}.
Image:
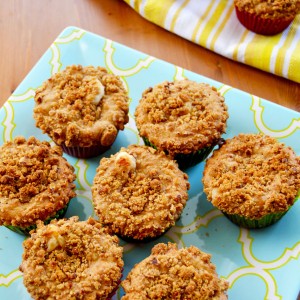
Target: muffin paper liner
{"x":253,"y":223}
{"x":26,"y":231}
{"x":265,"y":221}
{"x":187,"y":160}
{"x":114,"y":291}
{"x":84,"y":152}
{"x":261,"y":25}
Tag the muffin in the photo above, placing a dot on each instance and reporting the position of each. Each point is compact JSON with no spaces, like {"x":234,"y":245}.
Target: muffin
{"x":266,"y":17}
{"x":36,"y":183}
{"x":171,"y":273}
{"x":139,"y":193}
{"x":253,"y":179}
{"x":68,"y":259}
{"x":185,"y":119}
{"x":82,"y":109}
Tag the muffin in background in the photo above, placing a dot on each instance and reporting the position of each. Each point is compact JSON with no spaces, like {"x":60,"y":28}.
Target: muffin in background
{"x":82,"y":109}
{"x":253,"y":179}
{"x":71,"y":259}
{"x":139,"y":193}
{"x":36,"y":183}
{"x":185,"y":119}
{"x":266,"y":17}
{"x":171,"y":273}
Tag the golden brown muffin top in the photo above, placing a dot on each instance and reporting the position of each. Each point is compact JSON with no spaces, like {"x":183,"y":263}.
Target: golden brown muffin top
{"x":252,"y":175}
{"x":170,"y":273}
{"x":81,"y":106}
{"x":35,"y":181}
{"x":270,"y":9}
{"x":181,"y":116}
{"x":68,"y":259}
{"x":139,"y":192}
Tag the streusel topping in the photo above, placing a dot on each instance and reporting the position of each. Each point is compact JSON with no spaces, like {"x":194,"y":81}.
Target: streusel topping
{"x":35,"y":181}
{"x":181,"y":116}
{"x":171,"y":273}
{"x":139,"y":192}
{"x":269,"y":9}
{"x":68,"y":259}
{"x":82,"y":106}
{"x":252,"y":175}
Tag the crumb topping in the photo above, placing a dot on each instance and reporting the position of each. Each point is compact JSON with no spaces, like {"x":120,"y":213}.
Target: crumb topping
{"x":252,"y":175}
{"x":86,"y":262}
{"x":139,"y":192}
{"x":270,"y":9}
{"x":181,"y":116}
{"x":35,"y":181}
{"x":81,"y":106}
{"x":171,"y":273}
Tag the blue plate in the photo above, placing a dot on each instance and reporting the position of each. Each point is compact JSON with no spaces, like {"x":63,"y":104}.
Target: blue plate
{"x":259,"y":264}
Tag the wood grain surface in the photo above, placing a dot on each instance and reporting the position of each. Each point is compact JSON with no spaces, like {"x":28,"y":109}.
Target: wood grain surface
{"x":28,"y":27}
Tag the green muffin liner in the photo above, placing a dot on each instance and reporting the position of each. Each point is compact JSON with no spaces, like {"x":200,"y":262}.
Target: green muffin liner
{"x":265,"y":221}
{"x":186,"y":160}
{"x":25,"y":231}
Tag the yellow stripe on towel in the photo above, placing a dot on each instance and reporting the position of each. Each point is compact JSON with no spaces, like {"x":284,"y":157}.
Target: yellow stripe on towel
{"x":212,"y":22}
{"x":280,"y":57}
{"x":260,"y":56}
{"x":293,"y":67}
{"x":149,"y":9}
{"x":220,"y":28}
{"x":177,"y":13}
{"x":202,"y":20}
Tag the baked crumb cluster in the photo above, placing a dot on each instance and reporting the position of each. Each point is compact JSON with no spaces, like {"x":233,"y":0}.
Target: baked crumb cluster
{"x":69,"y":259}
{"x":181,"y":116}
{"x":139,"y":192}
{"x":269,"y":9}
{"x":171,"y":273}
{"x":252,"y":175}
{"x":81,"y":106}
{"x":35,"y":181}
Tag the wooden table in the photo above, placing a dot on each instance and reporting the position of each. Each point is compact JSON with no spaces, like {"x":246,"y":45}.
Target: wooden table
{"x":28,"y":27}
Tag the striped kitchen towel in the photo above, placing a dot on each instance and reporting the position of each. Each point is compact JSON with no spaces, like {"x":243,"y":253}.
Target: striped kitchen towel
{"x":213,"y":24}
